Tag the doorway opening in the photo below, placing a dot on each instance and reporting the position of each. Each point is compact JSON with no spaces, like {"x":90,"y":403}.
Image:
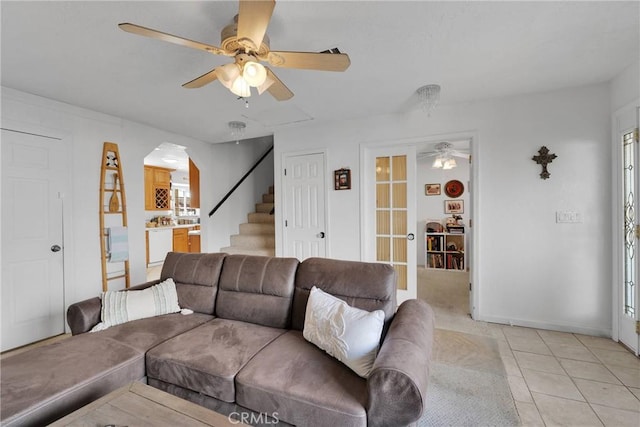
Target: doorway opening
{"x":443,"y":204}
{"x":172,"y":205}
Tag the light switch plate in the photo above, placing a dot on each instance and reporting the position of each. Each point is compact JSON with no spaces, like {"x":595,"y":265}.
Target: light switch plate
{"x":568,"y":217}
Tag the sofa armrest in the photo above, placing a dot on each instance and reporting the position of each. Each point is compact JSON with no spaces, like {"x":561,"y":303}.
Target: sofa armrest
{"x":84,"y":315}
{"x":397,"y":384}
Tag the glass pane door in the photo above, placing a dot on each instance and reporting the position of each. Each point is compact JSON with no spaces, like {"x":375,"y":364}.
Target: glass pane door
{"x":626,"y":268}
{"x":629,"y":187}
{"x":391,"y":214}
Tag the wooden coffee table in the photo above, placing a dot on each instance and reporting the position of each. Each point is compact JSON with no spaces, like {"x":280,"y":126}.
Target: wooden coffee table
{"x":138,"y":404}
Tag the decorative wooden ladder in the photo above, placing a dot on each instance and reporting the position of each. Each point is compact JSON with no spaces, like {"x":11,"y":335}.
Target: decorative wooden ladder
{"x":113,"y":210}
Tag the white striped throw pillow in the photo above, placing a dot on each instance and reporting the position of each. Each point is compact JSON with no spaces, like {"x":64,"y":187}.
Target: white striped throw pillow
{"x":124,"y":306}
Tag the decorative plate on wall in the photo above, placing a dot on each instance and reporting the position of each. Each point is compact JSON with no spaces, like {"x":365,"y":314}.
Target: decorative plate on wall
{"x":454,"y":188}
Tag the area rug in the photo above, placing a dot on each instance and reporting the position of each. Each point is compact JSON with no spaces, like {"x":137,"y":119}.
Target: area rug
{"x":467,"y":384}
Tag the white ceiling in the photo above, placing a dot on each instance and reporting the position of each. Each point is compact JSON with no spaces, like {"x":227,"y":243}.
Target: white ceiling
{"x":169,"y":155}
{"x":75,"y":53}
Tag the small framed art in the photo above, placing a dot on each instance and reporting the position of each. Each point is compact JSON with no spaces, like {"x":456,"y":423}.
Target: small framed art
{"x":343,"y":179}
{"x":454,"y":206}
{"x":432,"y":189}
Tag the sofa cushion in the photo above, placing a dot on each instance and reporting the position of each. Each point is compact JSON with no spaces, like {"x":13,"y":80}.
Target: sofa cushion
{"x":196,"y":276}
{"x":347,"y":333}
{"x":257,"y":289}
{"x":365,"y":285}
{"x":144,"y":334}
{"x":45,"y":383}
{"x":207,"y":359}
{"x":302,"y":384}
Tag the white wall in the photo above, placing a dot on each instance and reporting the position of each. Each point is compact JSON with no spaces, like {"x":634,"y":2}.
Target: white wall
{"x":529,"y":270}
{"x":625,"y":88}
{"x":220,"y":167}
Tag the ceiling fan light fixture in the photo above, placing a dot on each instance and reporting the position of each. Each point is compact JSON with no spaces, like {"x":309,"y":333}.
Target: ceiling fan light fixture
{"x":254,"y":73}
{"x":240,"y":87}
{"x":437,"y":163}
{"x":266,"y":84}
{"x":449,"y":164}
{"x":227,"y":74}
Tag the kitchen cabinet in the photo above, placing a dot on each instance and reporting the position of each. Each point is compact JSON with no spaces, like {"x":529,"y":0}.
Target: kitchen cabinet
{"x":194,"y":185}
{"x":159,"y":243}
{"x":194,"y":241}
{"x":181,"y":239}
{"x":157,"y":188}
{"x":148,"y":189}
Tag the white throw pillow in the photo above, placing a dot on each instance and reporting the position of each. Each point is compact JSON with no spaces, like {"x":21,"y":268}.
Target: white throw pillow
{"x":123,"y":306}
{"x":347,"y":333}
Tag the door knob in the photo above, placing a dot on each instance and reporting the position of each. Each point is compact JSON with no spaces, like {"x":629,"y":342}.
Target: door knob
{"x":55,"y":248}
{"x":410,"y":236}
{"x":321,"y":235}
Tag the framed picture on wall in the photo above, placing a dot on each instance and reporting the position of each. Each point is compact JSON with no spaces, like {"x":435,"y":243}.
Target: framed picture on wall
{"x":454,"y":206}
{"x":343,"y":179}
{"x":432,"y":189}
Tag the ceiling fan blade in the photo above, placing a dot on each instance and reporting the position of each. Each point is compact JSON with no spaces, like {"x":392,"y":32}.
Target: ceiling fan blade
{"x":277,"y":89}
{"x":457,"y":153}
{"x":253,"y":20}
{"x":204,"y":79}
{"x":430,"y":154}
{"x":154,"y":34}
{"x":310,"y":60}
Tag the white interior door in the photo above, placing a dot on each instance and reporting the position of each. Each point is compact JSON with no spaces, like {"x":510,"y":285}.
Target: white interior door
{"x":629,"y":300}
{"x":304,"y":200}
{"x":34,"y":172}
{"x":390,"y":213}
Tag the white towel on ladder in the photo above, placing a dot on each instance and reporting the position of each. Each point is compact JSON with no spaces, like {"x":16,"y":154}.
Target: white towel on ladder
{"x":117,"y":244}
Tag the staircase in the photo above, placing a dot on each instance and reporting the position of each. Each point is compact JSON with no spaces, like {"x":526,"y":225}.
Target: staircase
{"x":257,"y":237}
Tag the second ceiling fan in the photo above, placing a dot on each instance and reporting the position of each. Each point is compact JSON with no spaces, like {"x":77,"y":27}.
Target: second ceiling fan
{"x":247,"y":42}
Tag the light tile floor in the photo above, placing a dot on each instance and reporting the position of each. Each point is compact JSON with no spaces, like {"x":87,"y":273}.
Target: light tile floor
{"x":570,"y":379}
{"x":556,"y":378}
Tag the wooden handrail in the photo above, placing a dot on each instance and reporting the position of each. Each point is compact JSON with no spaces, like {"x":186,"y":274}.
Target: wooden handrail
{"x":224,"y":199}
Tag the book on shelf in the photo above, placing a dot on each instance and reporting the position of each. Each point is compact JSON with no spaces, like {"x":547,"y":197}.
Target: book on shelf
{"x":434,"y":243}
{"x":435,"y":261}
{"x":455,"y":229}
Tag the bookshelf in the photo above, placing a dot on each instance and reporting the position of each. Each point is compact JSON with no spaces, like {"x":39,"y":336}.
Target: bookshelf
{"x":445,"y":251}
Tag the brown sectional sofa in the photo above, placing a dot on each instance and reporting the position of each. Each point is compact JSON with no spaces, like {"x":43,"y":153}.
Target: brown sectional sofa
{"x":242,"y":349}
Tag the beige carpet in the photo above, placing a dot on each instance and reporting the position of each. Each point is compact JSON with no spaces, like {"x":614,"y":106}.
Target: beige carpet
{"x":468,"y":382}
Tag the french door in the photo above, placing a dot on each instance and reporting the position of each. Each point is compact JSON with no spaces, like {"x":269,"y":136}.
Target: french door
{"x":629,"y":300}
{"x":390,"y":213}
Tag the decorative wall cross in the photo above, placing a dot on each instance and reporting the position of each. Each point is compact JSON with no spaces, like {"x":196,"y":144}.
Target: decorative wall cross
{"x":544,"y":158}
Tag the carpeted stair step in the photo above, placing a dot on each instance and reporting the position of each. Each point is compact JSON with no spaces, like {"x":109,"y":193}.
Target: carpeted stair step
{"x":261,"y":217}
{"x":264,"y":207}
{"x":253,"y":241}
{"x":257,"y":228}
{"x":232,"y":250}
{"x":258,"y":235}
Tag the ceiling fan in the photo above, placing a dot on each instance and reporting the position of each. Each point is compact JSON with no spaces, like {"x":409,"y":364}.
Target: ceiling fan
{"x":444,"y":154}
{"x":246,"y":41}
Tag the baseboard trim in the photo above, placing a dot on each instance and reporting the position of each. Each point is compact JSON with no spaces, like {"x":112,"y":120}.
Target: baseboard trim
{"x":560,"y":327}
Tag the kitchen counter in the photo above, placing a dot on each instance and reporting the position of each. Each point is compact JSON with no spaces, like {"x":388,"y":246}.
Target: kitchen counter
{"x":169,"y":227}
